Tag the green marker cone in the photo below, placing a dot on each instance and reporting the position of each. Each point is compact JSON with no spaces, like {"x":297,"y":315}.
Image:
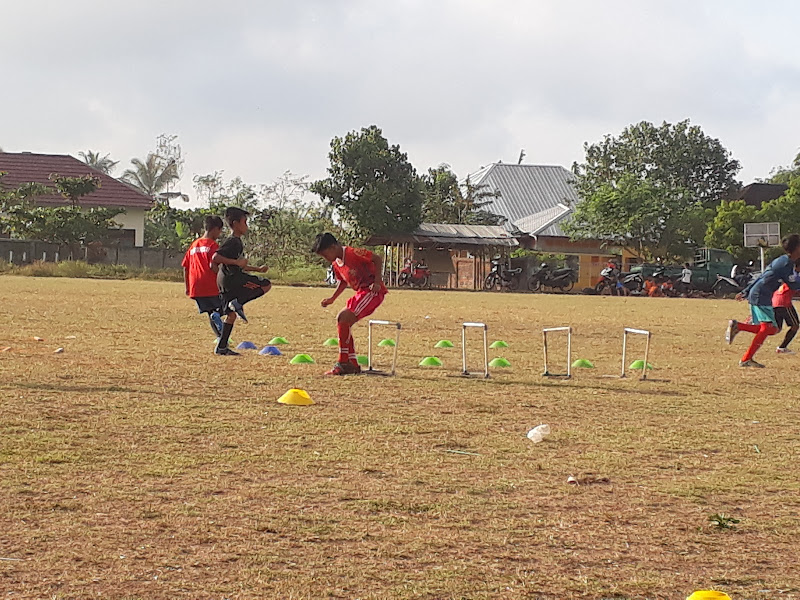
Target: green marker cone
{"x":331,"y":342}
{"x":499,"y":344}
{"x":276,"y":341}
{"x":638,"y":365}
{"x":582,"y":363}
{"x":302,"y":359}
{"x":363,"y":360}
{"x":444,"y":344}
{"x":499,"y":362}
{"x":430,"y":361}
{"x":386,"y":342}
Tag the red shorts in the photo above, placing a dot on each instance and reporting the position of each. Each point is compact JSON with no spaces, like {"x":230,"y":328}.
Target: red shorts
{"x":364,"y":303}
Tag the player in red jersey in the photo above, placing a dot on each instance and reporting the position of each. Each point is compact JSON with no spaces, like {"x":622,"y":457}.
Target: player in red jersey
{"x":200,"y":274}
{"x":360,"y":269}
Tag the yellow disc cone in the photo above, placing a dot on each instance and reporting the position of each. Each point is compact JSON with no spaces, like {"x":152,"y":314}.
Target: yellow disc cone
{"x":709,"y":595}
{"x":296,"y":397}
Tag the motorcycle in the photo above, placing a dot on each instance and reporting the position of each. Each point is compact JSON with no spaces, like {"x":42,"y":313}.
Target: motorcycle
{"x":502,"y":276}
{"x":730,"y":286}
{"x":608,"y":281}
{"x":633,"y":281}
{"x":563,"y":279}
{"x":414,"y":274}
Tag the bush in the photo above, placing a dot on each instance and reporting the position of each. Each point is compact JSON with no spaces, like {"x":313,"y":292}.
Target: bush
{"x":308,"y":274}
{"x":83,"y":270}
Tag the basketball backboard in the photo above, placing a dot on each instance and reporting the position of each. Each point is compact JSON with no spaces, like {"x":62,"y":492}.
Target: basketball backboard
{"x":762,"y":235}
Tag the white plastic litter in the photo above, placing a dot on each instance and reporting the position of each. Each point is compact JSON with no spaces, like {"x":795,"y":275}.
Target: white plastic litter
{"x":538,"y":433}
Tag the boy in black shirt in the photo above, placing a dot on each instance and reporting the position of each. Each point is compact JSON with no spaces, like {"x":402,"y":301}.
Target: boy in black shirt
{"x":236,"y":287}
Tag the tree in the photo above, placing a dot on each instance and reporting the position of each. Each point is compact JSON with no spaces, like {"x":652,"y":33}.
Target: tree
{"x":56,"y":224}
{"x":371,"y":184}
{"x":173,"y":228}
{"x":219,"y":194}
{"x":445,"y":200}
{"x":474,"y":200}
{"x":441,"y":196}
{"x":151,"y":176}
{"x":651,"y":188}
{"x":156,"y":174}
{"x":103,"y":164}
{"x":74,"y":188}
{"x":786,"y":174}
{"x":726,"y":229}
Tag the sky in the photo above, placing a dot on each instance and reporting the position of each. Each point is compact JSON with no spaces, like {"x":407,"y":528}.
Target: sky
{"x":256,"y":88}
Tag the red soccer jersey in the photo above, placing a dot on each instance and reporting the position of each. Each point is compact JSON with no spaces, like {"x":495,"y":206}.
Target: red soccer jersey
{"x":202,"y":280}
{"x":783,"y":297}
{"x":357,"y":269}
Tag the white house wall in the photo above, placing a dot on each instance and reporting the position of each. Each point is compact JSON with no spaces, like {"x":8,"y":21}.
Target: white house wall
{"x":133,"y":218}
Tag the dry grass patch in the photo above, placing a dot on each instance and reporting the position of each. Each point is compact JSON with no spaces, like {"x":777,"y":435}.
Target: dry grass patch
{"x":138,"y":465}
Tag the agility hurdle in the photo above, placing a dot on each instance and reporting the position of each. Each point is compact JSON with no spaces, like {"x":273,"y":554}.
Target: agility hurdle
{"x":547,"y":330}
{"x":630,"y":331}
{"x":370,"y":369}
{"x":464,"y":326}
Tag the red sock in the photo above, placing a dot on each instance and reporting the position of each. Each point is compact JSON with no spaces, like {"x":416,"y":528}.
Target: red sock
{"x":764,"y":331}
{"x":345,"y":339}
{"x":351,"y":347}
{"x":748,"y":327}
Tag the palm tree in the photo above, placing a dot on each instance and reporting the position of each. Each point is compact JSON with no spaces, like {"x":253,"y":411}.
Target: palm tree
{"x":103,"y":164}
{"x":152,"y":176}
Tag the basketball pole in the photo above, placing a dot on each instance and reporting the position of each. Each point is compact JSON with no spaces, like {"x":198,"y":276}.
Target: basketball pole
{"x":761,"y":248}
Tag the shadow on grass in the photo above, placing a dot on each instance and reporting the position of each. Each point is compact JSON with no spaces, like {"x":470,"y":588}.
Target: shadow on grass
{"x":645,"y":386}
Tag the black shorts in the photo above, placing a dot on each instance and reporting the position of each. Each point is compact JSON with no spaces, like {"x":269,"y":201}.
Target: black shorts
{"x":250,"y":287}
{"x":787,"y":314}
{"x":208,"y":304}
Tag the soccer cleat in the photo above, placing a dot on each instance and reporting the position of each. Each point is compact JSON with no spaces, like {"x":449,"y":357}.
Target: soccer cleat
{"x":733,"y":329}
{"x":750,"y":363}
{"x":780,"y":350}
{"x":343,"y":369}
{"x":225,"y":352}
{"x":237,"y":307}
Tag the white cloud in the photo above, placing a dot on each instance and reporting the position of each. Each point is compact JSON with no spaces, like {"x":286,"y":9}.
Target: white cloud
{"x":255,"y":89}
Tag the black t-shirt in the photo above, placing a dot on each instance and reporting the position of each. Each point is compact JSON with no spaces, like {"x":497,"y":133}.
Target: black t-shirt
{"x":229,"y":276}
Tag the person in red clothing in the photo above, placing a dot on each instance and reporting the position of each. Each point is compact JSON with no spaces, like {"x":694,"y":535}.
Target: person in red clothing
{"x":200,"y":274}
{"x":360,"y":269}
{"x":784,"y":311}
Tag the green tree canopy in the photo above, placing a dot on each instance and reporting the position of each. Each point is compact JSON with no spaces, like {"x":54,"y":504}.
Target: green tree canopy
{"x":650,"y":188}
{"x":445,"y":200}
{"x":74,"y":188}
{"x":371,"y":184}
{"x":151,"y":175}
{"x":58,"y":224}
{"x":726,"y":228}
{"x":786,"y":174}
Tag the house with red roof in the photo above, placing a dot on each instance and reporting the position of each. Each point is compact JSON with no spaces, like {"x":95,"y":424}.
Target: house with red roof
{"x":27,"y":167}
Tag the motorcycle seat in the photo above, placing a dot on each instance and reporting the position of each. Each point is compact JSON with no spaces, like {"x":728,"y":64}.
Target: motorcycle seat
{"x":560,"y":272}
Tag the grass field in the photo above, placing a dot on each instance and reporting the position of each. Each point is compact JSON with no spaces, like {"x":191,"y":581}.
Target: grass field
{"x":136,"y":464}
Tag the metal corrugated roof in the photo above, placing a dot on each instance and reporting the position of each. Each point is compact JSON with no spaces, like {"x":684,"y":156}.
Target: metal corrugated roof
{"x":527,"y":190}
{"x":451,"y":235}
{"x":545,"y":222}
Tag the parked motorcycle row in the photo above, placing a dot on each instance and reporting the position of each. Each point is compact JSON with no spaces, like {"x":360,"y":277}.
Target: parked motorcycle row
{"x":655,"y":281}
{"x":659,"y":282}
{"x":503,"y":277}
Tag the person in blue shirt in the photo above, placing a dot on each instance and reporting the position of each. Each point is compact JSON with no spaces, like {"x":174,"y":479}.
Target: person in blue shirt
{"x":759,"y":295}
